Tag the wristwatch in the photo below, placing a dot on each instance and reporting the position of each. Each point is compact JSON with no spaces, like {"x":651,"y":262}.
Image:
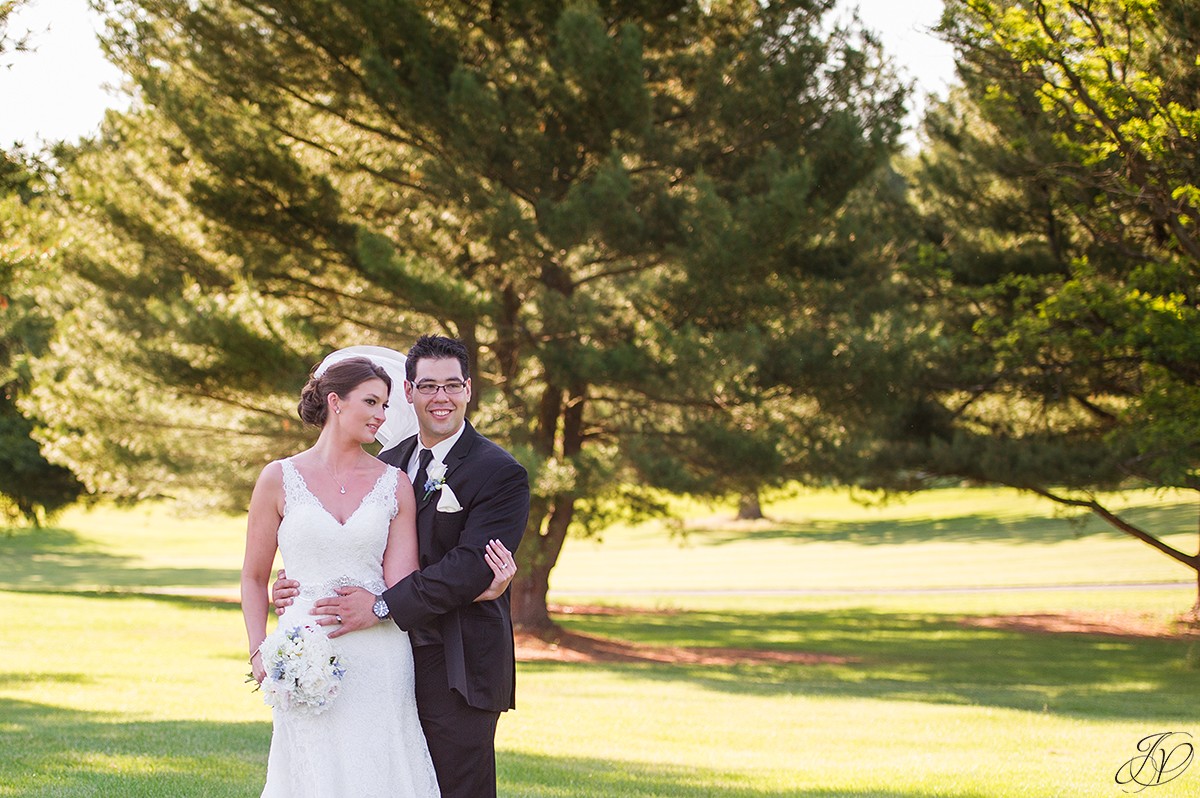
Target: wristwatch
{"x":381,"y":608}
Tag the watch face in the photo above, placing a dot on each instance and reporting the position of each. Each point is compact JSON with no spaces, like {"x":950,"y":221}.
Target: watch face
{"x":381,"y":608}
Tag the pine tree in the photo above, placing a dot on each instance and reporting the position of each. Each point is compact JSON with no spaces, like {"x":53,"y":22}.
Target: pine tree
{"x":1059,"y":205}
{"x":616,"y":205}
{"x":31,"y":487}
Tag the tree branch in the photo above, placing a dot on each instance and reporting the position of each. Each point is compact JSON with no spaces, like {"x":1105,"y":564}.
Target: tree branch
{"x":1116,"y":521}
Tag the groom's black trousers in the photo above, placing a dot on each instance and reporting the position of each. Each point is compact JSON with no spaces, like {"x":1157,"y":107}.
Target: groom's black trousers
{"x":461,"y":738}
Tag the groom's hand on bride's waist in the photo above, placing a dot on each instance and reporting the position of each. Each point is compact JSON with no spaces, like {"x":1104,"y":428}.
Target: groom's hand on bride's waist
{"x":283,"y":592}
{"x":348,"y":611}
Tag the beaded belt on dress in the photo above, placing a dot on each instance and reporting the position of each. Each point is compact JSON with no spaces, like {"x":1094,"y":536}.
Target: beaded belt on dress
{"x":329,"y":586}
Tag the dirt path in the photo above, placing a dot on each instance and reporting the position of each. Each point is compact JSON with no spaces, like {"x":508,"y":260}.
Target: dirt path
{"x":1110,"y":624}
{"x":575,"y":647}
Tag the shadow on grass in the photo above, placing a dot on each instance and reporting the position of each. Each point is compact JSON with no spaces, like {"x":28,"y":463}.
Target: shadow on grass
{"x":905,"y":656}
{"x":529,"y":776}
{"x":59,"y":559}
{"x":49,"y":751}
{"x":928,"y":658}
{"x":29,"y":679}
{"x":182,"y":600}
{"x":975,"y":527}
{"x":52,"y":752}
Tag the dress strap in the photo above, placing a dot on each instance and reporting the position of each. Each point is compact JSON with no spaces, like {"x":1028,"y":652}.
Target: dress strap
{"x":386,"y":487}
{"x":295,"y":491}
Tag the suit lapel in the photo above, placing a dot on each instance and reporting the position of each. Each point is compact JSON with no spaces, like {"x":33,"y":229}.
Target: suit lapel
{"x":454,"y":458}
{"x":400,"y":454}
{"x":462,"y":447}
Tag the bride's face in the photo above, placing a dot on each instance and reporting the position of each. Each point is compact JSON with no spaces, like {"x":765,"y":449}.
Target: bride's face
{"x":362,"y":410}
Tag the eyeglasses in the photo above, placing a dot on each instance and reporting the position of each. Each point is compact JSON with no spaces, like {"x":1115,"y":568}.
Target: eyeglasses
{"x":431,"y":388}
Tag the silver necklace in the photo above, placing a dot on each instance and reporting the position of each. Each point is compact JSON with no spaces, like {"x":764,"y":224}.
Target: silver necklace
{"x":341,"y":487}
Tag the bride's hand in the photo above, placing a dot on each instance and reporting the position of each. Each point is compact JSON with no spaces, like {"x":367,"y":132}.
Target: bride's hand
{"x":503,"y":568}
{"x":256,"y":667}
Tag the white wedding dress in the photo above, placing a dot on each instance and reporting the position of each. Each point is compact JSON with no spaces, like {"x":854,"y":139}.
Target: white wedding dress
{"x":368,"y":742}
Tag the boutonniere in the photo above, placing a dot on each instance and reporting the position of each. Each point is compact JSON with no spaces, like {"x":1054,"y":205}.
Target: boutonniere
{"x":436,"y":478}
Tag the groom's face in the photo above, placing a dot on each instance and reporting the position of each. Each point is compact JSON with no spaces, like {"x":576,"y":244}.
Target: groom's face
{"x":441,"y":413}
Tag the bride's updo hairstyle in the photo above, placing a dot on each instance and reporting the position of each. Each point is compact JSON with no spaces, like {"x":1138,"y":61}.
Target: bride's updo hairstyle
{"x":341,"y":378}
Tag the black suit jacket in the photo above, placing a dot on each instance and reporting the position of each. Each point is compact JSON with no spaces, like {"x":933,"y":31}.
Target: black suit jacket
{"x":493,"y":490}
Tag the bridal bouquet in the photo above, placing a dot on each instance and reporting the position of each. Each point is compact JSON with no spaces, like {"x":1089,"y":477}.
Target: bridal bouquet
{"x":304,"y":672}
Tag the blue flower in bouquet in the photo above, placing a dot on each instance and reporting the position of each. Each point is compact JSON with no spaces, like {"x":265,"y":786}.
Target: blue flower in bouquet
{"x":304,"y":671}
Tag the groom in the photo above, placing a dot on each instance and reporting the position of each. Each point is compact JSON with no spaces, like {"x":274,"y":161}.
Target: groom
{"x":468,"y":491}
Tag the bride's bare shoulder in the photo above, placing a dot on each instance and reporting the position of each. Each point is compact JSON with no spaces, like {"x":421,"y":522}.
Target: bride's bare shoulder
{"x":271,"y":475}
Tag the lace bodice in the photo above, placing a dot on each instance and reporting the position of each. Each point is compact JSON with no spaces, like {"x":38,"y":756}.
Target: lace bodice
{"x":323,"y":554}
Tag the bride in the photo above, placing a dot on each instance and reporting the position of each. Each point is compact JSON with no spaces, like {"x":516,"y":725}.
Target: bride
{"x":340,"y":517}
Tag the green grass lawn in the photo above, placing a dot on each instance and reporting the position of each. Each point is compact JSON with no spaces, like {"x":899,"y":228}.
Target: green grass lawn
{"x":823,"y":541}
{"x":112,"y":685}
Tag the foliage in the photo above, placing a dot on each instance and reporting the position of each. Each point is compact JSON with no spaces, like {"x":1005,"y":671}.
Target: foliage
{"x":30,"y":487}
{"x":10,"y":43}
{"x":621,"y":207}
{"x":1059,"y":255}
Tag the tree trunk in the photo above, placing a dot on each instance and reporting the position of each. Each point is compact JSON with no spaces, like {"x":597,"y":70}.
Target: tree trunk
{"x":749,"y":507}
{"x":1196,"y":604}
{"x":529,"y":611}
{"x":539,"y":550}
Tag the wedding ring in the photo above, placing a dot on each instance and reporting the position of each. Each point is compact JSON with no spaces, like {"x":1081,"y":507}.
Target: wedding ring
{"x":339,"y":618}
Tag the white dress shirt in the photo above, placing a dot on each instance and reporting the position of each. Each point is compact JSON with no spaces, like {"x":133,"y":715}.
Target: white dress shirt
{"x":439,"y":449}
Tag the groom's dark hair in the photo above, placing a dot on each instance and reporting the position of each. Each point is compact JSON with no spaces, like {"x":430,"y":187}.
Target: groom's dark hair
{"x":436,"y":347}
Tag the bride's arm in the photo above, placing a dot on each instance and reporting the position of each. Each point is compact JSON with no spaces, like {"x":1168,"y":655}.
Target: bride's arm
{"x":400,"y":556}
{"x":262,"y":530}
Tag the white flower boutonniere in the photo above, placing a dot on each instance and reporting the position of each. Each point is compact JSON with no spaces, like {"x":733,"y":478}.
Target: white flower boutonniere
{"x":436,"y":478}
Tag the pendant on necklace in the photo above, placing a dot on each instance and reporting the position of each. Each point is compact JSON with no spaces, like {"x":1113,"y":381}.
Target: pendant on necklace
{"x":343,"y":490}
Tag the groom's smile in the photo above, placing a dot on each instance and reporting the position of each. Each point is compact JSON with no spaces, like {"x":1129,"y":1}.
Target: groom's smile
{"x":443,"y":411}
